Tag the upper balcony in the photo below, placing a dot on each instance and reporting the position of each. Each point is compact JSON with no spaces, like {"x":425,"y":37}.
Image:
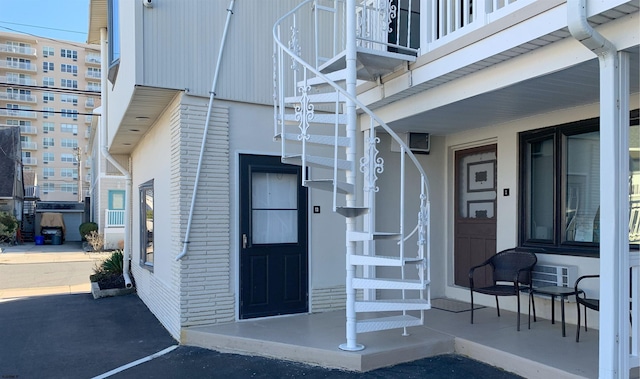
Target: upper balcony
{"x":28,"y":129}
{"x":93,"y":59}
{"x":14,"y":80}
{"x":17,"y":50}
{"x":19,"y":113}
{"x":29,"y":161}
{"x":92,"y":74}
{"x":93,"y":88}
{"x":18,"y":66}
{"x":18,"y":97}
{"x":90,"y":103}
{"x":29,"y":145}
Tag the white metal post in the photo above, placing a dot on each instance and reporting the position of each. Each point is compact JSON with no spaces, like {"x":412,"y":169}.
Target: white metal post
{"x":351,"y":344}
{"x":614,"y":204}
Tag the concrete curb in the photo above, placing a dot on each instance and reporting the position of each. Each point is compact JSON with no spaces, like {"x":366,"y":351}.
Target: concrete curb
{"x":99,"y":293}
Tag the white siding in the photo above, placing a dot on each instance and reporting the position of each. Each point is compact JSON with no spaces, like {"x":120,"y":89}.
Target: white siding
{"x":207,"y":292}
{"x":160,"y":289}
{"x":182,"y":41}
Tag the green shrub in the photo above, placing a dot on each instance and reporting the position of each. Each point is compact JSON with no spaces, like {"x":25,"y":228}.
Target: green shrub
{"x":8,"y":227}
{"x":86,"y":228}
{"x":113,"y":264}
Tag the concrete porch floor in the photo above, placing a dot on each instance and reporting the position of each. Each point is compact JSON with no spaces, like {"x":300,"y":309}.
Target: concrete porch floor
{"x":314,"y":338}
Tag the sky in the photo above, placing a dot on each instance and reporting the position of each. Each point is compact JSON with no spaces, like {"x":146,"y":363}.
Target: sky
{"x":65,"y":20}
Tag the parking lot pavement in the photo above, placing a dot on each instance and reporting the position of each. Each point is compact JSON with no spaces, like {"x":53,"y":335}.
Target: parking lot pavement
{"x":75,"y":336}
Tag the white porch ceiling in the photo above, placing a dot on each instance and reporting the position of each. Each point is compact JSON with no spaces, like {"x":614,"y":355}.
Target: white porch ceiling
{"x":576,"y":86}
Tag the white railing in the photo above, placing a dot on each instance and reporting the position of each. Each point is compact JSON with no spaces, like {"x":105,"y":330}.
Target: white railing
{"x":27,"y":145}
{"x":89,"y":103}
{"x":17,"y":113}
{"x":634,"y":263}
{"x":92,"y":74}
{"x":113,"y":218}
{"x":18,"y":97}
{"x":18,"y":66}
{"x":92,"y":59}
{"x":31,"y":191}
{"x":383,"y":25}
{"x":24,"y":129}
{"x":14,"y":80}
{"x":7,"y":48}
{"x":29,"y":161}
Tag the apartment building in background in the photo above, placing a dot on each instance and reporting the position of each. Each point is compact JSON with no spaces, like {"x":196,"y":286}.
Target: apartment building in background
{"x":49,"y":88}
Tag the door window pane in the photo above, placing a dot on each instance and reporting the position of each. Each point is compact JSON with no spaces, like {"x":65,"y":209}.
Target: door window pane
{"x":274,"y":212}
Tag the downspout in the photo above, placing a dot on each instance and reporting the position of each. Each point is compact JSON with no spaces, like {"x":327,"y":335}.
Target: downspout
{"x":212,"y":95}
{"x":614,"y":109}
{"x":105,"y":152}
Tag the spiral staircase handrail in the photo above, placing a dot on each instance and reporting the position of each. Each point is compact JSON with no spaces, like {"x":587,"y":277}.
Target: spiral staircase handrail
{"x":342,"y":91}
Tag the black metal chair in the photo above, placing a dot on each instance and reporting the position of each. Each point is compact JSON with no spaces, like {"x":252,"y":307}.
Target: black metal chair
{"x":510,"y":269}
{"x":581,"y":298}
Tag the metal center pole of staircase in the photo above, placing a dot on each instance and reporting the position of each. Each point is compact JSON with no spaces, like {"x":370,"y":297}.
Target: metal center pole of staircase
{"x":351,"y":344}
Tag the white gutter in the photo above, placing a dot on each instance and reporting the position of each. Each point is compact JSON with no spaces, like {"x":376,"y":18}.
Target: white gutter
{"x":212,"y":95}
{"x":105,"y":152}
{"x":614,"y":357}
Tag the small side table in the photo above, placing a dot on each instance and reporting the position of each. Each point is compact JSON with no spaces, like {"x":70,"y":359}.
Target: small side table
{"x":563,"y":293}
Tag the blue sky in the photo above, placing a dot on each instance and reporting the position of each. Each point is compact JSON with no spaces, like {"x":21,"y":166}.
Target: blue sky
{"x":65,"y":20}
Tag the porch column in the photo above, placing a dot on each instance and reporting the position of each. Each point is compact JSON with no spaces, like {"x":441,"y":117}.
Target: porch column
{"x":614,"y":215}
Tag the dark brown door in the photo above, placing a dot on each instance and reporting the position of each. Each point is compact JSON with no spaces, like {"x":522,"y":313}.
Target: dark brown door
{"x":475,"y":210}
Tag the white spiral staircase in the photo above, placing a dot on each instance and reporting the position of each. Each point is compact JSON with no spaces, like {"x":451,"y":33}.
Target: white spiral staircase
{"x":315,"y":120}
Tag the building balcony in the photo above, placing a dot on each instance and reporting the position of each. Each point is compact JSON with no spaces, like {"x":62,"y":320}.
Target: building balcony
{"x":29,"y":161}
{"x":88,"y":119}
{"x":17,"y":50}
{"x":90,"y":103}
{"x":18,"y":113}
{"x":32,"y":192}
{"x":13,"y":80}
{"x":93,"y":88}
{"x":21,"y":98}
{"x":92,"y":75}
{"x":28,"y":145}
{"x":28,"y":129}
{"x":87,"y":134}
{"x":20,"y":66}
{"x":93,"y":59}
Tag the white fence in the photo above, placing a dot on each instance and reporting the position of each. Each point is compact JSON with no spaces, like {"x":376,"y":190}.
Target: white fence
{"x":113,"y":218}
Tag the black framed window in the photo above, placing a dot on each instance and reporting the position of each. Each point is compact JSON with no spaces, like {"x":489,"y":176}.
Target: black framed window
{"x":146,"y":224}
{"x":560,"y":187}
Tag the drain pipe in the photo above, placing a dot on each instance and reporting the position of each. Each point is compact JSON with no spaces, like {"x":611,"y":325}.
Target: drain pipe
{"x":212,"y":95}
{"x":614,"y":109}
{"x":105,"y":152}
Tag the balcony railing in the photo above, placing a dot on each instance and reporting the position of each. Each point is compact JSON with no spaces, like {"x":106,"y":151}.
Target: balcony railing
{"x":31,"y":191}
{"x":113,"y":218}
{"x":24,"y":129}
{"x":93,"y":59}
{"x":92,"y":74}
{"x":88,"y":119}
{"x":382,"y":26}
{"x":93,"y":88}
{"x":6,"y":48}
{"x":18,"y":113}
{"x":29,"y":161}
{"x":89,"y":103}
{"x":18,"y":66}
{"x":28,"y":145}
{"x":18,"y":97}
{"x":14,"y":80}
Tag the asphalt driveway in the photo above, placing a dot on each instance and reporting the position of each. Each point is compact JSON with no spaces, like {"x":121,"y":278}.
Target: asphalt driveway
{"x":75,"y":336}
